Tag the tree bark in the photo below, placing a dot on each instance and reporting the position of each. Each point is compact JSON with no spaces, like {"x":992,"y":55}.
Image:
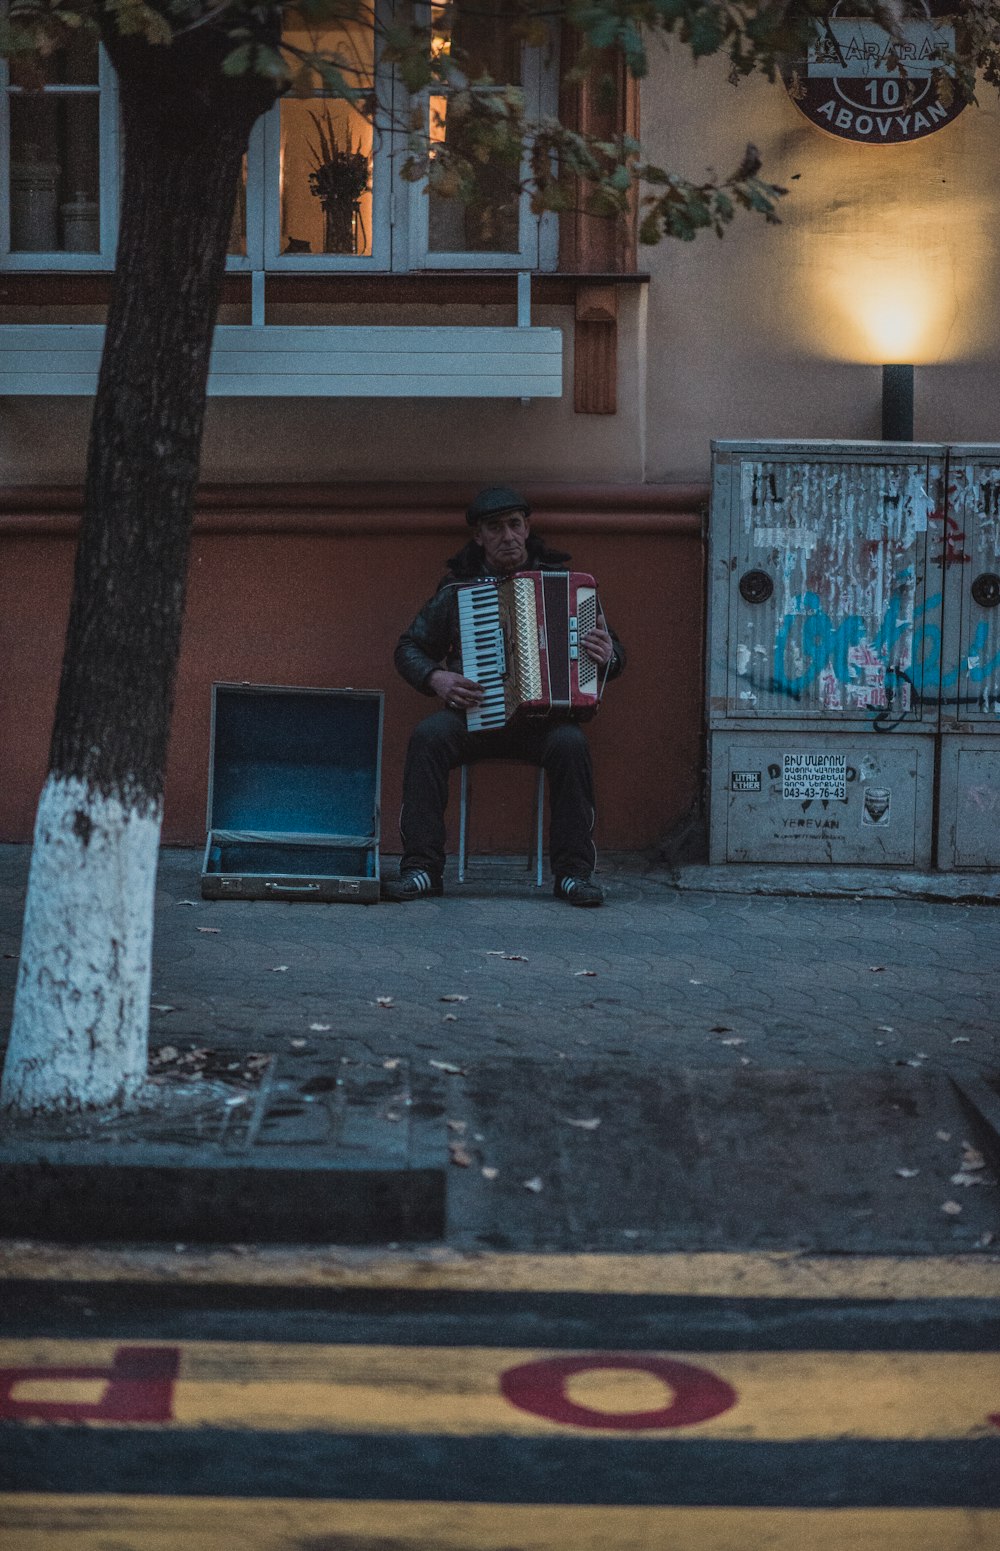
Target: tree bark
{"x":79,"y":1034}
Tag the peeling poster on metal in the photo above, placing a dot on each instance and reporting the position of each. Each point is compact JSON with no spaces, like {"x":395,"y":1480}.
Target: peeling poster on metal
{"x":814,"y":777}
{"x":876,"y":806}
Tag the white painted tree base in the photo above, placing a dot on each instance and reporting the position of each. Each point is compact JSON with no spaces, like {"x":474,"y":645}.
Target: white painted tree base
{"x":81,"y":1011}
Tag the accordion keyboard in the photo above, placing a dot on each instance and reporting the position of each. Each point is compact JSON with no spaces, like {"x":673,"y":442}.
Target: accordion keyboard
{"x":483,"y":656}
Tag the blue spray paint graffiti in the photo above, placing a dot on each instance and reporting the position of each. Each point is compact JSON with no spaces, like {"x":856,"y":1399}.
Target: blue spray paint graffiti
{"x":823,"y":646}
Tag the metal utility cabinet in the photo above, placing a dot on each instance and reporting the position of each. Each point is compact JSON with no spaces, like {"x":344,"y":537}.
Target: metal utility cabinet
{"x":854,"y":654}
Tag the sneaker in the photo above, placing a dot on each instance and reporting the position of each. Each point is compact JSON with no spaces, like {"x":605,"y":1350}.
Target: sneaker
{"x":415,"y":884}
{"x":579,"y":891}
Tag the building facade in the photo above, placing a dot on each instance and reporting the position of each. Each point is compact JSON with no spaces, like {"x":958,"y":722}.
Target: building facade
{"x":382,"y":355}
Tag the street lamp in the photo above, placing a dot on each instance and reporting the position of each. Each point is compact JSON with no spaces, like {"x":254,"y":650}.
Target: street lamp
{"x":897,"y":403}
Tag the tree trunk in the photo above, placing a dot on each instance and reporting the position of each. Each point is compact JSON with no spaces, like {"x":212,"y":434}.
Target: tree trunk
{"x":81,"y":1014}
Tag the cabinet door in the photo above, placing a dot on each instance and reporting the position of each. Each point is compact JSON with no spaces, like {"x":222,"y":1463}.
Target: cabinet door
{"x":823,"y":609}
{"x":965,"y":551}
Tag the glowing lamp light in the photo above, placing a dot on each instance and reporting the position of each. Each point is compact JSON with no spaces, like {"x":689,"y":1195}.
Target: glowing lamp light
{"x":896,"y":327}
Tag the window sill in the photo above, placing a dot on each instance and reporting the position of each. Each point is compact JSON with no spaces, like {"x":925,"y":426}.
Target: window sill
{"x":93,"y":289}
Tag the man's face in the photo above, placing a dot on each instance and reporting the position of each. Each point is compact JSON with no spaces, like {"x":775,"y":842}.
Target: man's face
{"x":505,"y":540}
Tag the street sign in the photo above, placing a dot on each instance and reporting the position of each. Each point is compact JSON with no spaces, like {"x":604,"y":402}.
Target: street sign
{"x":860,"y":83}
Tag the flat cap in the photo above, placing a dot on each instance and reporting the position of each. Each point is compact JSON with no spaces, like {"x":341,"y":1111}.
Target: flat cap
{"x":494,"y":501}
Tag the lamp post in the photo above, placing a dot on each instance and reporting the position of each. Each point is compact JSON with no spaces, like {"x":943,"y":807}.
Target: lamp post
{"x":897,"y":403}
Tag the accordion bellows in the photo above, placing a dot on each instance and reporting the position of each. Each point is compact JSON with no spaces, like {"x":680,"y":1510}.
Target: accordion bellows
{"x":520,"y":640}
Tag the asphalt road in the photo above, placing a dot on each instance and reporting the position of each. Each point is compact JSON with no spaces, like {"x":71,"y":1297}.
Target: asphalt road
{"x":389,"y":1406}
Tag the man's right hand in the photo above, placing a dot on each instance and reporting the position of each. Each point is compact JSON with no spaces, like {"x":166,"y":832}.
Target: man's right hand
{"x":458,"y":693}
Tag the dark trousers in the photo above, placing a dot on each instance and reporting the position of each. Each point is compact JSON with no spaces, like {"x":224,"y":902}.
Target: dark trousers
{"x":442,"y":742}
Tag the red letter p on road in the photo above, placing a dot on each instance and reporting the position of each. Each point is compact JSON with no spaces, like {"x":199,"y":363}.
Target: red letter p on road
{"x":139,"y":1387}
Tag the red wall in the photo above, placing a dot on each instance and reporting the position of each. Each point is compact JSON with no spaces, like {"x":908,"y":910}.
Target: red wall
{"x":311,"y":587}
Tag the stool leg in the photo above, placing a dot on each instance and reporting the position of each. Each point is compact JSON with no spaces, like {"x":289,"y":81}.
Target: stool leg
{"x":539,"y":823}
{"x":463,"y":819}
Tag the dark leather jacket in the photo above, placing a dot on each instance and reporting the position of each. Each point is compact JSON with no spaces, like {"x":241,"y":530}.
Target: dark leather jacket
{"x":433,"y":637}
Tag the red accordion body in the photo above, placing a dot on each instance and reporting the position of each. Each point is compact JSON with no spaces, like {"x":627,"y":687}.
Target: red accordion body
{"x":520,"y":640}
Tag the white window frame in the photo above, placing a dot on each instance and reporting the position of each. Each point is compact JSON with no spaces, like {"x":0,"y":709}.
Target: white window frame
{"x":273,"y":260}
{"x":400,"y":210}
{"x":538,"y":235}
{"x":109,"y":174}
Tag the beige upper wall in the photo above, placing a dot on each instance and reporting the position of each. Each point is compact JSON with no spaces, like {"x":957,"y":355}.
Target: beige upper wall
{"x":45,"y":440}
{"x":763,"y":334}
{"x":772,"y":331}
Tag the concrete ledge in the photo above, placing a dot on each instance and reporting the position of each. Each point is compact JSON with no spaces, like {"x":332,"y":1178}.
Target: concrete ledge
{"x":73,"y":1198}
{"x":960,"y":888}
{"x":312,"y":1158}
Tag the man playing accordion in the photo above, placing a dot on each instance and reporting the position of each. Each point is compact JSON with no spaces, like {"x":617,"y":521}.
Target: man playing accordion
{"x":429,"y":656}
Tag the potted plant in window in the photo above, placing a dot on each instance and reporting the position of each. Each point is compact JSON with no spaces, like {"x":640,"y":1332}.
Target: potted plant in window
{"x":338,"y":180}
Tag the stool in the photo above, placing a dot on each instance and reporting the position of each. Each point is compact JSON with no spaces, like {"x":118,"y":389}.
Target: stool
{"x":535,"y":852}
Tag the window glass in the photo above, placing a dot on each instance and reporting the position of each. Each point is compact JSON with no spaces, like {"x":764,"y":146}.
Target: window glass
{"x":54,"y":173}
{"x":326,"y":161}
{"x":488,"y":220}
{"x":75,"y":64}
{"x":238,"y":229}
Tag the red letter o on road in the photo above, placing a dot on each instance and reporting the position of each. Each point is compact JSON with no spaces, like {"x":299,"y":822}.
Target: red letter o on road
{"x":540,"y":1387}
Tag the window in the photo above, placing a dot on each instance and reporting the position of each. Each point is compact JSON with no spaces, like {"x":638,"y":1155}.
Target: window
{"x":59,"y":180}
{"x":321,"y":188}
{"x":495,"y":226}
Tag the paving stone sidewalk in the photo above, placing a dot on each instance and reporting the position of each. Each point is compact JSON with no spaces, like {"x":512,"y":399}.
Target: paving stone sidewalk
{"x":660,"y":977}
{"x":732,"y":1070}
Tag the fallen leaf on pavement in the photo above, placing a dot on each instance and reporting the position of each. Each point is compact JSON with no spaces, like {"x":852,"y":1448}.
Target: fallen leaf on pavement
{"x":516,"y":958}
{"x":212,"y":931}
{"x":162,"y":1007}
{"x":877,"y":969}
{"x":585,"y":1125}
{"x":885,"y":1028}
{"x":591,"y":973}
{"x":943,"y":1136}
{"x":453,"y":996}
{"x":972,"y":1158}
{"x":720,"y":1028}
{"x":449,"y":1017}
{"x":320,"y":1028}
{"x":490,"y":1173}
{"x":298,"y":1044}
{"x":278,"y":969}
{"x":961,"y":1039}
{"x":738,"y":1040}
{"x":383,"y":1001}
{"x":449,"y":1067}
{"x":391,"y":1064}
{"x":907,"y":1173}
{"x":165,"y":1053}
{"x":192,"y":902}
{"x":459,"y":1155}
{"x":534,"y":1185}
{"x":458,"y":1125}
{"x":951,"y":1207}
{"x":961,"y":1178}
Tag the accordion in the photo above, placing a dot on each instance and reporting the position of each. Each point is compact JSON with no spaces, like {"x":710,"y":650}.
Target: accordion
{"x":520,"y":639}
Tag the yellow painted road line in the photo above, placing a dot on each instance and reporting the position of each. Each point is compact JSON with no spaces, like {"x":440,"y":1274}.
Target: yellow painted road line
{"x":53,"y":1523}
{"x":777,"y":1275}
{"x":463,"y":1391}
